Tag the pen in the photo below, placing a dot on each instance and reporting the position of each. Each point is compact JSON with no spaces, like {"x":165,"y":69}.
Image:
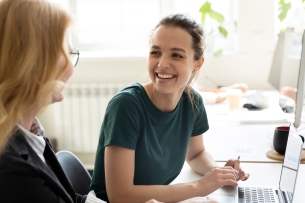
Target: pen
{"x":238,"y":159}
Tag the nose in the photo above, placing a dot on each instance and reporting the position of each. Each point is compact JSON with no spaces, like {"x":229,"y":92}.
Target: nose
{"x":163,"y":62}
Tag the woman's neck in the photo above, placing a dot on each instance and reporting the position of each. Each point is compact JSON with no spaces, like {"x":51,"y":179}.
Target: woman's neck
{"x":164,"y":102}
{"x":26,"y":122}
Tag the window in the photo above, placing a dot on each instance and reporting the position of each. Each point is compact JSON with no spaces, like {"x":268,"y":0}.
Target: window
{"x":123,"y":27}
{"x":295,"y":16}
{"x":215,"y":41}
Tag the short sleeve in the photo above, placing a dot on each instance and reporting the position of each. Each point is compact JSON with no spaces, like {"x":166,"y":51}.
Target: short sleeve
{"x":201,"y":124}
{"x":122,"y":121}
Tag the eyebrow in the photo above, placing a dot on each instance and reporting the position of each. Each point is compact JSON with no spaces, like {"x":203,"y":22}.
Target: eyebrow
{"x":173,"y":49}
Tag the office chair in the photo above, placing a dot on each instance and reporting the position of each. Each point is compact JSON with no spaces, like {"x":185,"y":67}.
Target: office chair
{"x":75,"y":171}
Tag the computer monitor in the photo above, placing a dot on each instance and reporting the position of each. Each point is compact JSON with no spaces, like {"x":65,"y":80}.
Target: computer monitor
{"x":287,"y":68}
{"x":275,"y":71}
{"x":300,"y":87}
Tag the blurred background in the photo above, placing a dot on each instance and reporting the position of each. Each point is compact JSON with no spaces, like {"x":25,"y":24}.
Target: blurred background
{"x":112,"y":37}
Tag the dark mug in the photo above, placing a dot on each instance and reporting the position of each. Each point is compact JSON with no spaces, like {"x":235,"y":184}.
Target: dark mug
{"x":280,"y":139}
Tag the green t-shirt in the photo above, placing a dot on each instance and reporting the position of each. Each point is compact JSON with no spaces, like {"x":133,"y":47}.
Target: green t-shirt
{"x":160,"y":140}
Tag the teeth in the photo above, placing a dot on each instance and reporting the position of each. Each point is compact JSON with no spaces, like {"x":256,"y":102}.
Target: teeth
{"x":165,"y":76}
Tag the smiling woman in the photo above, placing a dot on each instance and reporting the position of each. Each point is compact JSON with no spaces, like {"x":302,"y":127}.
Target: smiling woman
{"x":173,"y":63}
{"x":150,"y":130}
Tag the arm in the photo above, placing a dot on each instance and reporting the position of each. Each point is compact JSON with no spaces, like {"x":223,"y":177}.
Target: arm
{"x":18,"y":186}
{"x":242,"y":86}
{"x":198,"y":158}
{"x":220,"y":93}
{"x":201,"y":161}
{"x":119,"y":169}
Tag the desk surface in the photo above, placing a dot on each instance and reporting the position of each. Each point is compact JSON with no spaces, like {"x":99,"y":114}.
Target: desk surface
{"x":229,"y":138}
{"x":261,"y":174}
{"x":250,"y":142}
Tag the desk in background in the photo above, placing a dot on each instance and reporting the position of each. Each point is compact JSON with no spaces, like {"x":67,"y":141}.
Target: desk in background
{"x":229,"y":137}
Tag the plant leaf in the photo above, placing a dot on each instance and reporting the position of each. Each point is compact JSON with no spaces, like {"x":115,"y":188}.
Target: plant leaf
{"x":284,"y":8}
{"x":303,"y":1}
{"x":204,"y":9}
{"x":218,"y":53}
{"x":223,"y":31}
{"x":216,"y":16}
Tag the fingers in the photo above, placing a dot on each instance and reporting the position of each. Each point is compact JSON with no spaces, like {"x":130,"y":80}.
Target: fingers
{"x":226,"y":176}
{"x":234,"y":163}
{"x":243,"y":176}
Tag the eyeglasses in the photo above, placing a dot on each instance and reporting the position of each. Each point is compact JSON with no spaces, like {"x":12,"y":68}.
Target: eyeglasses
{"x":74,"y":55}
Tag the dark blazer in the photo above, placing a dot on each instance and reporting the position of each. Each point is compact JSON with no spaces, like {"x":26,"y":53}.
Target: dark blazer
{"x":25,"y":178}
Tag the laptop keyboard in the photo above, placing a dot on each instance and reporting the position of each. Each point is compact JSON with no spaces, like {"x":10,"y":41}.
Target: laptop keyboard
{"x":255,"y":195}
{"x":287,"y":197}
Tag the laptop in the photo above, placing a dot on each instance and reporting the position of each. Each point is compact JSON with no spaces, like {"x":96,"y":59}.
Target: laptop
{"x":283,"y":193}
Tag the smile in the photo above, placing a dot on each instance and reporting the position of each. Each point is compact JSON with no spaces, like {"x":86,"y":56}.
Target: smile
{"x":165,"y":76}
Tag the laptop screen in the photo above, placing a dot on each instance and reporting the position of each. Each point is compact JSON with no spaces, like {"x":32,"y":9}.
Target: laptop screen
{"x":291,"y":164}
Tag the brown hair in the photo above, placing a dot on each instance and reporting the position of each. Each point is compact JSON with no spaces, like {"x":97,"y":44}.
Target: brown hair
{"x":196,"y":31}
{"x":32,"y":38}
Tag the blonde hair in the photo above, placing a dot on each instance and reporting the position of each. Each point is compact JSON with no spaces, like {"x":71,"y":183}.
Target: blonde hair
{"x":32,"y":39}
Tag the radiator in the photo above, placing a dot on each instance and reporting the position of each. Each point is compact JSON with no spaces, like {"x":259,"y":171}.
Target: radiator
{"x":77,"y":119}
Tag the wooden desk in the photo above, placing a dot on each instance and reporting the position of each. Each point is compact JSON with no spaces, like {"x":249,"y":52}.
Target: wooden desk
{"x":261,"y":174}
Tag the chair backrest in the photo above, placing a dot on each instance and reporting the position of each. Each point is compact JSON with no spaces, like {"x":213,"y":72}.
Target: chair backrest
{"x":75,"y":171}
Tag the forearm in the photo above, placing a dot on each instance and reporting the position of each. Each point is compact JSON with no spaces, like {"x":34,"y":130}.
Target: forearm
{"x":215,"y":90}
{"x":162,"y":193}
{"x":221,"y":97}
{"x":202,"y":163}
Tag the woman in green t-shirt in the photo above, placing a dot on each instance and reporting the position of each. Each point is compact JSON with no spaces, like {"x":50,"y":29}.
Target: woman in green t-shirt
{"x":150,"y":130}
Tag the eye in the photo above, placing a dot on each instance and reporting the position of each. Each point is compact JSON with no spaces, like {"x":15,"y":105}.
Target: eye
{"x":174,"y":55}
{"x":155,"y":53}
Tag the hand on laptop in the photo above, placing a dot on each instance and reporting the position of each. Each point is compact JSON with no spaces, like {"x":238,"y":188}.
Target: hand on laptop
{"x":235,"y":164}
{"x":216,"y":178}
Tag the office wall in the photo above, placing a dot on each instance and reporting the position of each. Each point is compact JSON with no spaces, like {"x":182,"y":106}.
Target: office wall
{"x":251,"y":64}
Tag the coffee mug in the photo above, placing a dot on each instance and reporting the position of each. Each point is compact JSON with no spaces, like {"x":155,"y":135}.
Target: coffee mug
{"x":280,"y":139}
{"x":234,"y":96}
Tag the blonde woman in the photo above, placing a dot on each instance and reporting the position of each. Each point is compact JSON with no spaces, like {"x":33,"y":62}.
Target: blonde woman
{"x":36,"y":60}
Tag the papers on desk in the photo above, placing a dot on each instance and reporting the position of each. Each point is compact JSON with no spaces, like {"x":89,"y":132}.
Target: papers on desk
{"x":271,"y":115}
{"x":233,"y":151}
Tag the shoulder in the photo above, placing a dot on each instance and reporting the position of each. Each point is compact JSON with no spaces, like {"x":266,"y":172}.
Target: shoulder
{"x":194,"y":99}
{"x":131,"y":95}
{"x":16,"y":146}
{"x":15,"y":158}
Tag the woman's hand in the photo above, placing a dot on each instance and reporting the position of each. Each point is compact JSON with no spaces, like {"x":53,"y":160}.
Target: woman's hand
{"x":235,"y":164}
{"x":242,"y":86}
{"x":217,"y":178}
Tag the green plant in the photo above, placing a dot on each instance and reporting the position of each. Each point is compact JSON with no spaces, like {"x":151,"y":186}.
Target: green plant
{"x":207,"y":12}
{"x":284,"y":8}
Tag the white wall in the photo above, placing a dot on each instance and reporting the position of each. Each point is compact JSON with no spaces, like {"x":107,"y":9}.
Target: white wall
{"x":250,"y":65}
